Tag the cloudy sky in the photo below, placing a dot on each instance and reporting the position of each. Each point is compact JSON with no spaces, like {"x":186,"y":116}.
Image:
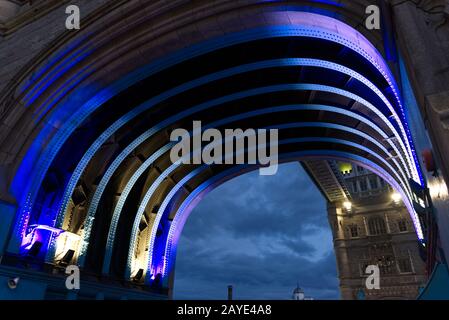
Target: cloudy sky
{"x":262,"y":234}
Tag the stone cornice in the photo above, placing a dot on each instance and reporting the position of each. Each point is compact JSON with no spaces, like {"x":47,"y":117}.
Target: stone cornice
{"x":32,"y":13}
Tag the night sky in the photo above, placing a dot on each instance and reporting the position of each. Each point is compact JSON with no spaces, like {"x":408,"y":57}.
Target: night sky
{"x":262,"y":234}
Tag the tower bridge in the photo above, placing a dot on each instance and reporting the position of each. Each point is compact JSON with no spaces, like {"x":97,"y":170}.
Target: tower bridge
{"x":370,"y":226}
{"x":86,"y":117}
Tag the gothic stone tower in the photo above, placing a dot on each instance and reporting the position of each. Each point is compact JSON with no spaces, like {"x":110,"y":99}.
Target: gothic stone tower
{"x":370,"y":226}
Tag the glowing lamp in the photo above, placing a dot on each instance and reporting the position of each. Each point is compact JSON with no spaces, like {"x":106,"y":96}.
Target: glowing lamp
{"x":347,"y":205}
{"x":65,"y":243}
{"x":396,"y":197}
{"x":344,"y":167}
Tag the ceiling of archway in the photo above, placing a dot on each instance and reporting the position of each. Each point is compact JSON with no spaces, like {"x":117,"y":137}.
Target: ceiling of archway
{"x":110,"y":180}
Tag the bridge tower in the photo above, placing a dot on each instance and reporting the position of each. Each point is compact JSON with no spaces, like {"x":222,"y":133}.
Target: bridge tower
{"x":370,"y":226}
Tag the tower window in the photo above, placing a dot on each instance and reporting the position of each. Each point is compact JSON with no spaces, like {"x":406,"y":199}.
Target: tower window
{"x":404,"y":265}
{"x":376,"y":226}
{"x":354,"y":231}
{"x":363,"y":185}
{"x":354,"y":187}
{"x":386,"y":265}
{"x":402,"y":225}
{"x":373,"y":183}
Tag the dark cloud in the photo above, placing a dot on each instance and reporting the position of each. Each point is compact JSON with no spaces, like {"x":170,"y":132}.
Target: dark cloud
{"x":262,"y":234}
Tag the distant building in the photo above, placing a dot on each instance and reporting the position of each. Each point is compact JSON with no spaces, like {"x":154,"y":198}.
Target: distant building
{"x":298,"y":294}
{"x":370,"y":226}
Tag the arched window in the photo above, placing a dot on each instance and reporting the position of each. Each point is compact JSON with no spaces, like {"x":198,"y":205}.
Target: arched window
{"x":376,"y":225}
{"x":353,"y":230}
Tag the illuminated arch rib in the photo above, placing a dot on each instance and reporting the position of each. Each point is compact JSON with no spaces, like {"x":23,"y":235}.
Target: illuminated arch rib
{"x":262,"y":65}
{"x":149,"y":161}
{"x":155,"y":265}
{"x":285,"y":63}
{"x":336,"y":79}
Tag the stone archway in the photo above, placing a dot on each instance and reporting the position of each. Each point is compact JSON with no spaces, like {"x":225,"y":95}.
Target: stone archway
{"x":90,"y":138}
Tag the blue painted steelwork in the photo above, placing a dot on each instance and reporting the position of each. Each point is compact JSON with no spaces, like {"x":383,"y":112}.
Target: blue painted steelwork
{"x":155,"y":185}
{"x":29,"y":188}
{"x":146,"y":135}
{"x":217,"y":102}
{"x":145,"y":165}
{"x":219,"y":75}
{"x":306,"y":87}
{"x":169,"y":170}
{"x":121,"y":203}
{"x":155,"y":267}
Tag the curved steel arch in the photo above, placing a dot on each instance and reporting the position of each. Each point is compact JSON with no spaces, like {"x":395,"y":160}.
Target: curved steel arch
{"x":147,"y":134}
{"x":152,"y":268}
{"x":236,"y":70}
{"x":404,"y":169}
{"x":361,"y":46}
{"x":137,"y":219}
{"x":168,"y":171}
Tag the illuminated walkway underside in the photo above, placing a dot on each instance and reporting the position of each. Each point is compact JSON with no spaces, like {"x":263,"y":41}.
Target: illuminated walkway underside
{"x":105,"y":186}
